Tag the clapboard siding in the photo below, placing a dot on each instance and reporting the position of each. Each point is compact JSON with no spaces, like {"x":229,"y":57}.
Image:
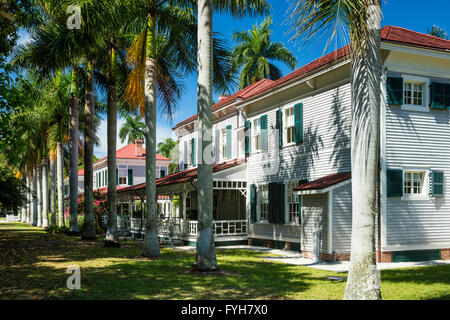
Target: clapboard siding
{"x":223,"y":123}
{"x":418,"y":140}
{"x":326,"y":146}
{"x":342,"y":218}
{"x":278,"y":232}
{"x":314,"y":218}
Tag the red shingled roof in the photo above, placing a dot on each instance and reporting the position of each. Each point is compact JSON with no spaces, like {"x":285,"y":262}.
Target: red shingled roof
{"x":409,"y":37}
{"x":324,"y":182}
{"x":185,"y":175}
{"x":129,"y":152}
{"x":242,"y":94}
{"x":388,"y":34}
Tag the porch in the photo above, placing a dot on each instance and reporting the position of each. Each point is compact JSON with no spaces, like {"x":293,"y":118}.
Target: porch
{"x":178,"y":206}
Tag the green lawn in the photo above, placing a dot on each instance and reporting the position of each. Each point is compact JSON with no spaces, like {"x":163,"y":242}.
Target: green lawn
{"x":33,"y":266}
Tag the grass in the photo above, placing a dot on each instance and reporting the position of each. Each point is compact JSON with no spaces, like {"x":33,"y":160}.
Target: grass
{"x":33,"y":266}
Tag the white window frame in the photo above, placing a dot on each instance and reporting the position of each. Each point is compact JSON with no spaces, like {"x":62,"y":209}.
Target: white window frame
{"x":291,"y":195}
{"x":425,"y":82}
{"x":256,"y":133}
{"x":223,"y":143}
{"x":424,"y":195}
{"x":263,"y":188}
{"x":286,"y":126}
{"x":121,"y":176}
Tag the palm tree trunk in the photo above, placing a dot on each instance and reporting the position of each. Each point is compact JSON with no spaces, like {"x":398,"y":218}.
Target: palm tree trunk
{"x":60,"y":181}
{"x":39,"y":194}
{"x":206,"y":252}
{"x":52,"y":191}
{"x":89,"y":221}
{"x":44,"y":193}
{"x":363,"y":279}
{"x":73,"y":161}
{"x":151,"y":244}
{"x":29,"y":203}
{"x":112,"y":235}
{"x":34,"y":220}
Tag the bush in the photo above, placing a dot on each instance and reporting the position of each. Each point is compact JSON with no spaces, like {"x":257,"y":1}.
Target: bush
{"x":57,"y":230}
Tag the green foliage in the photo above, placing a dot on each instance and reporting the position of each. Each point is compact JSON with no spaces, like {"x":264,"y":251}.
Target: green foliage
{"x":253,"y":53}
{"x":132,"y":129}
{"x":437,"y":31}
{"x":12,"y":190}
{"x":57,"y":230}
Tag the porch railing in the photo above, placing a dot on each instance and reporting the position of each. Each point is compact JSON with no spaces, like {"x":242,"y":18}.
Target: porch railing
{"x":176,"y":227}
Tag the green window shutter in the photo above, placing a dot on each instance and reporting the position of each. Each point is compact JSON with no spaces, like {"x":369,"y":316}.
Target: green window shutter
{"x":229,"y":142}
{"x":276,"y":203}
{"x":193,"y":152}
{"x":440,"y":95}
{"x":437,"y":184}
{"x":394,"y":182}
{"x":117,"y":176}
{"x":264,"y":136}
{"x":130,"y":177}
{"x":279,"y":127}
{"x":298,"y":123}
{"x":299,"y":208}
{"x":107,"y":177}
{"x":394,"y":90}
{"x":247,"y":136}
{"x":253,"y":203}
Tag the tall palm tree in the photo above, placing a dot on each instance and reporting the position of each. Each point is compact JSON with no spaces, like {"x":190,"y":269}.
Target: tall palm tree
{"x":362,"y":19}
{"x":254,"y":53}
{"x":164,"y":48}
{"x":206,"y":253}
{"x":132,"y":129}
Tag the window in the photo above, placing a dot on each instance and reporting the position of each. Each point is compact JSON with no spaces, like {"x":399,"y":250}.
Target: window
{"x":289,"y":125}
{"x":215,"y":205}
{"x":162,"y":173}
{"x":293,"y":212}
{"x":223,"y":143}
{"x":413,"y":183}
{"x":256,"y":134}
{"x":263,"y":203}
{"x":413,"y":94}
{"x":123,"y":176}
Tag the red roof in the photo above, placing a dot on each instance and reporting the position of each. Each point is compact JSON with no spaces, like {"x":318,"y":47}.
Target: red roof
{"x":324,"y":182}
{"x":409,"y":37}
{"x":129,"y":152}
{"x":388,"y":34}
{"x":242,"y":94}
{"x":185,"y":175}
{"x":81,"y":172}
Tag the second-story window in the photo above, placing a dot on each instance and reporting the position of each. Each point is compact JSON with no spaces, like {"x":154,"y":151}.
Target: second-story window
{"x":256,"y":134}
{"x":122,"y":176}
{"x":289,"y":125}
{"x":223,"y":143}
{"x":413,"y":94}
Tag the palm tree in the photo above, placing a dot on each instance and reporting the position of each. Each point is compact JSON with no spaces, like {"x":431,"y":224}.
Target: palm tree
{"x":254,"y":52}
{"x":206,"y":253}
{"x":437,"y":31}
{"x":166,"y":147}
{"x":164,"y":48}
{"x":362,"y":18}
{"x":132,"y":129}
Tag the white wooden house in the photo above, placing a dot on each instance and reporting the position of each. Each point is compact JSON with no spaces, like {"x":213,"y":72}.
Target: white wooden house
{"x":283,"y":148}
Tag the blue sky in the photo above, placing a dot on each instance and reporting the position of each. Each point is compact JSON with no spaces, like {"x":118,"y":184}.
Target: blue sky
{"x":412,"y":14}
